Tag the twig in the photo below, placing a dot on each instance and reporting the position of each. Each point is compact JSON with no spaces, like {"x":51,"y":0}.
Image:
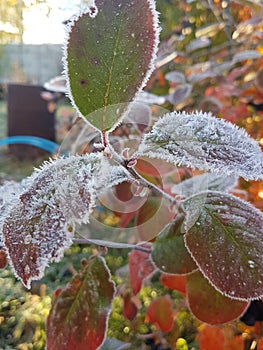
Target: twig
{"x":111,"y":244}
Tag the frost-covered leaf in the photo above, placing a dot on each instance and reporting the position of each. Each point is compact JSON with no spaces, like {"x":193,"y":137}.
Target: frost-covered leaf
{"x":79,"y":316}
{"x":175,"y":77}
{"x":204,"y":182}
{"x":34,"y":238}
{"x":160,"y":313}
{"x":39,"y":224}
{"x":199,"y":140}
{"x":246,"y":55}
{"x":139,"y":115}
{"x":149,"y":99}
{"x":179,"y":94}
{"x":140,"y":267}
{"x":169,"y":253}
{"x":210,"y":306}
{"x":109,"y":59}
{"x":225,"y":240}
{"x":198,"y":44}
{"x":9,"y":192}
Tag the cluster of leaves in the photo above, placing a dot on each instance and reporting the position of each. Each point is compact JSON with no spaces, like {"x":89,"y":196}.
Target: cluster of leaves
{"x":208,"y":242}
{"x":211,"y":59}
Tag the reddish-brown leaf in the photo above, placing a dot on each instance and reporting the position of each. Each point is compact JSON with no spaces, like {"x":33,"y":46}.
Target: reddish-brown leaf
{"x":79,"y":316}
{"x":208,"y":305}
{"x":153,"y":167}
{"x":211,"y":338}
{"x":260,"y":344}
{"x":129,"y":308}
{"x":235,"y":343}
{"x":160,"y":313}
{"x":224,"y":237}
{"x":174,"y":282}
{"x":3,"y":259}
{"x":35,"y":238}
{"x":140,"y":267}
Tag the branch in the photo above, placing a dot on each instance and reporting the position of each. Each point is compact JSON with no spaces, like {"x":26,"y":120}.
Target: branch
{"x":110,"y":244}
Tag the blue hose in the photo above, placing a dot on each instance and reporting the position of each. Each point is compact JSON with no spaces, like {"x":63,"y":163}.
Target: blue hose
{"x":39,"y":142}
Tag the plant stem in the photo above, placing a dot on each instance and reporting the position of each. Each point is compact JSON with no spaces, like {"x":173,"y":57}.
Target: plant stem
{"x":111,"y":244}
{"x":156,"y":190}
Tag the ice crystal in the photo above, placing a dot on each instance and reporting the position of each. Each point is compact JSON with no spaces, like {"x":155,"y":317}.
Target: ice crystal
{"x":199,"y":140}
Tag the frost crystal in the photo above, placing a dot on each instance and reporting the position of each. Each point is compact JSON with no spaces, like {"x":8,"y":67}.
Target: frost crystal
{"x":39,"y":223}
{"x":199,"y":140}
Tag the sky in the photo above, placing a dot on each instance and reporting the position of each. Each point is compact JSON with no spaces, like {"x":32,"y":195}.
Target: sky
{"x":42,"y":27}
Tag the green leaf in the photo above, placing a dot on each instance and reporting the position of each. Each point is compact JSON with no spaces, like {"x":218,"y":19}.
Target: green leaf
{"x":224,"y":237}
{"x":109,"y":58}
{"x":208,"y":305}
{"x":79,"y":316}
{"x":169,"y":253}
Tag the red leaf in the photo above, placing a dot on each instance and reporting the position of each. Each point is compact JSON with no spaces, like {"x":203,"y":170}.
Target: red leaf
{"x":78,"y":318}
{"x":174,"y":282}
{"x":140,"y":267}
{"x":208,"y":305}
{"x":211,"y":338}
{"x":129,"y":308}
{"x":160,"y":313}
{"x":260,"y":344}
{"x":236,"y":343}
{"x":3,"y":259}
{"x":153,"y":167}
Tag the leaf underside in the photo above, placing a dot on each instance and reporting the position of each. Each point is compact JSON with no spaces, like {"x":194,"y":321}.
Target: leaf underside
{"x":110,"y":57}
{"x":225,"y":240}
{"x":79,"y":316}
{"x":199,"y":140}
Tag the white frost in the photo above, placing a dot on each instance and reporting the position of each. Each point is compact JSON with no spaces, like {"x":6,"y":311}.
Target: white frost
{"x":199,"y":140}
{"x":41,"y":218}
{"x":204,"y":182}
